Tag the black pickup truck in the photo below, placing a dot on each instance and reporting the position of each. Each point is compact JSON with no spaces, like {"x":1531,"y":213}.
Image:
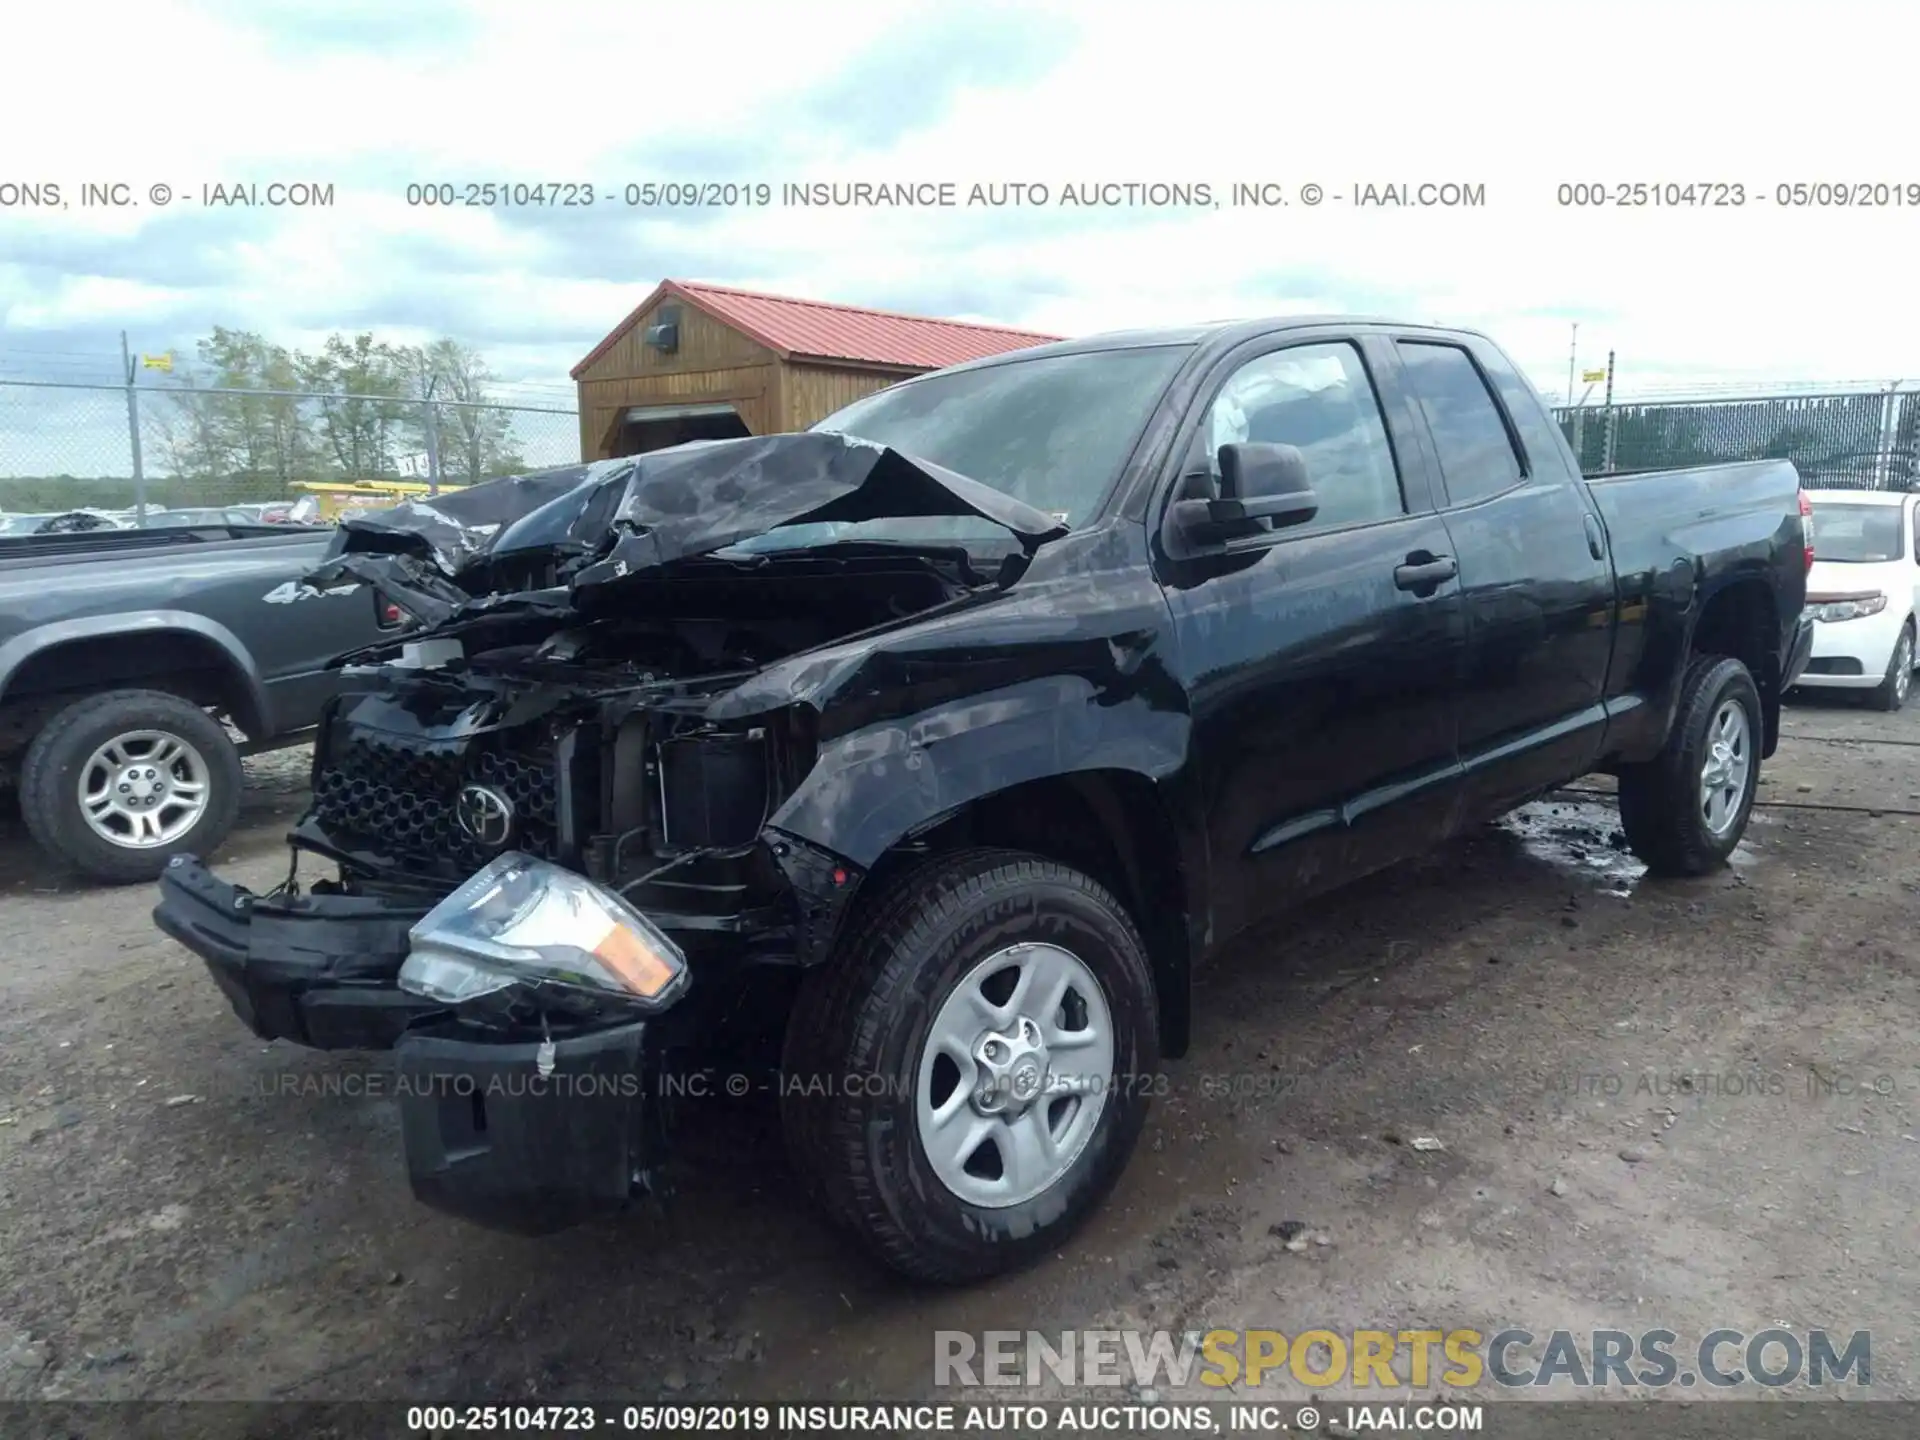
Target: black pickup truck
{"x":121,"y":654}
{"x":922,"y":755}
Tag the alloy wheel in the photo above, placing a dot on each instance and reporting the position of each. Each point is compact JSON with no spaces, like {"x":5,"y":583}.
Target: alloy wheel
{"x":1014,"y":1074}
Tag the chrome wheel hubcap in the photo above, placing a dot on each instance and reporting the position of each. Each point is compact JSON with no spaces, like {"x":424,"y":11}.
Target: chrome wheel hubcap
{"x":1902,"y":667}
{"x":1014,"y":1074}
{"x":1723,"y":777}
{"x":143,"y":789}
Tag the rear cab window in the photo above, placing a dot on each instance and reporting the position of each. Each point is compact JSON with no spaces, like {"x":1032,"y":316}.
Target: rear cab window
{"x":1543,"y":445}
{"x":1477,"y":452}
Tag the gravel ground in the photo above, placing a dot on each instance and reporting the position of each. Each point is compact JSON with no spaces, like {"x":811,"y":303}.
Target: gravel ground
{"x":188,"y":1212}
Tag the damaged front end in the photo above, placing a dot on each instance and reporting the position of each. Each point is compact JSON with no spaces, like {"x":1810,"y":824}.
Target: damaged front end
{"x":551,"y":723}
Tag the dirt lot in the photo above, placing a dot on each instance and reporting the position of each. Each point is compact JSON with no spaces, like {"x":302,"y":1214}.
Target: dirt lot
{"x":178,"y":1220}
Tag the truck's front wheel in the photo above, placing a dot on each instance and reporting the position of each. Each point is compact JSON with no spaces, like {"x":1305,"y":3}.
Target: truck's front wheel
{"x":1686,"y":809}
{"x":117,"y":784}
{"x":965,"y":1081}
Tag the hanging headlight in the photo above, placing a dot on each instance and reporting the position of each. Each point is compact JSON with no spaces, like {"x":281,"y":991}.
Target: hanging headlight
{"x":520,"y":920}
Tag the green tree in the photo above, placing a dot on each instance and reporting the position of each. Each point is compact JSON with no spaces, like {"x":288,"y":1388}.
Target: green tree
{"x":256,"y":416}
{"x":213,"y":431}
{"x":475,"y":443}
{"x":363,"y":412}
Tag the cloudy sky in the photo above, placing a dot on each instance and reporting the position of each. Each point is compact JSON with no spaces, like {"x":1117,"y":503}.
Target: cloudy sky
{"x":369,"y":96}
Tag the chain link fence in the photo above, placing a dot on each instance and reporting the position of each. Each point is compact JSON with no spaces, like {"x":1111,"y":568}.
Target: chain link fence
{"x":174,"y":449}
{"x":1857,"y":440}
{"x":169,"y":450}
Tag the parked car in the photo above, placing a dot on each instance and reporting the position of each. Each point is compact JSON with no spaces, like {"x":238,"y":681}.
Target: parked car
{"x":200,"y":515}
{"x":302,"y":510}
{"x":919,"y":757}
{"x":121,"y":654}
{"x":62,"y":522}
{"x":1862,"y":593}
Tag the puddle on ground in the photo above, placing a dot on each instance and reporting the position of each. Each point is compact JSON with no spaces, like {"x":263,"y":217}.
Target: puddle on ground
{"x":1579,"y":836}
{"x":1585,"y":838}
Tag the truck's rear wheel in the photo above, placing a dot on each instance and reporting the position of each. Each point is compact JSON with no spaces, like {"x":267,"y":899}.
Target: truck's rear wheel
{"x":1685,"y":810}
{"x":119,"y":783}
{"x":966,"y":1079}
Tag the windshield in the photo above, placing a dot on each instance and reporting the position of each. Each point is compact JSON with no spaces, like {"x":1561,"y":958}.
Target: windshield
{"x":1053,"y":431}
{"x":1858,"y":534}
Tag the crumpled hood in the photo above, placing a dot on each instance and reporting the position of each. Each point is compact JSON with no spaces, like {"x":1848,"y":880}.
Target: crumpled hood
{"x":601,"y":522}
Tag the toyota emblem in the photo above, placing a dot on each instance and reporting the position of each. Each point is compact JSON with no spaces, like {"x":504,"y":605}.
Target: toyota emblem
{"x":485,"y":814}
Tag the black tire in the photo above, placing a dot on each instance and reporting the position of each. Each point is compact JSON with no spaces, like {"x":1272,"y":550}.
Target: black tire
{"x":51,"y":774}
{"x":1661,"y":803}
{"x":1891,"y":693}
{"x":867,"y":1013}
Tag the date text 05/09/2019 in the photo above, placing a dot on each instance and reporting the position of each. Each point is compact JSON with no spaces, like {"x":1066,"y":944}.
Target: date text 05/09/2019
{"x":1738,"y":195}
{"x":1139,"y":1416}
{"x":949,"y":194}
{"x":815,"y":194}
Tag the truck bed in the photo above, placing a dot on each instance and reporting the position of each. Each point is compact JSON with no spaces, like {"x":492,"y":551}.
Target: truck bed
{"x":1699,"y":508}
{"x":20,"y":551}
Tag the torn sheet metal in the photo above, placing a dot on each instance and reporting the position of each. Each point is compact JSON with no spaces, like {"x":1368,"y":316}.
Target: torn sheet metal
{"x":411,"y":584}
{"x":455,"y":531}
{"x":604,"y":521}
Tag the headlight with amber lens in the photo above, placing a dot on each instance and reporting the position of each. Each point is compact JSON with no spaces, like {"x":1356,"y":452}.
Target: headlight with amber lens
{"x":524,"y":921}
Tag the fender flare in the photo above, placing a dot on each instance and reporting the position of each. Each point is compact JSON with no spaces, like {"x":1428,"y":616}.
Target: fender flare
{"x":1678,"y":596}
{"x":871,"y":788}
{"x":17,"y":651}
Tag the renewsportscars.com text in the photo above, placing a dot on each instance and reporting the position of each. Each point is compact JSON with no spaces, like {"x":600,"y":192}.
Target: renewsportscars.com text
{"x":1511,"y":1358}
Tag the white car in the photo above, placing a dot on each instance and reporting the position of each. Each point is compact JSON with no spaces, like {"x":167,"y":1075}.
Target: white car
{"x":1863,"y":591}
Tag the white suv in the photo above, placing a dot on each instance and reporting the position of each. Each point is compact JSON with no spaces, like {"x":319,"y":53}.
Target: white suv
{"x":1862,"y":591}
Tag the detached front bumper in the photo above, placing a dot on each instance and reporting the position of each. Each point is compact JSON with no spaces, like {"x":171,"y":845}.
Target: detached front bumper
{"x":488,"y":1137}
{"x":493,"y":1140}
{"x":320,"y":970}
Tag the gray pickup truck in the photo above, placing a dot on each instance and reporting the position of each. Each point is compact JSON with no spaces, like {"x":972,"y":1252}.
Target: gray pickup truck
{"x":122,"y":652}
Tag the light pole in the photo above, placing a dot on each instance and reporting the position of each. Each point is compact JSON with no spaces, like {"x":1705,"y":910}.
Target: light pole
{"x":133,"y":436}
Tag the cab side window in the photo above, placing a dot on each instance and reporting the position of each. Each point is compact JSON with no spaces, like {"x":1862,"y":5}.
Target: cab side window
{"x":1541,"y":441}
{"x":1477,"y":456}
{"x":1320,"y":399}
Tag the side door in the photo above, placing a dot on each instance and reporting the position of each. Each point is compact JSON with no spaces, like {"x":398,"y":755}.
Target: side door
{"x":1536,"y":580}
{"x":1322,"y":660}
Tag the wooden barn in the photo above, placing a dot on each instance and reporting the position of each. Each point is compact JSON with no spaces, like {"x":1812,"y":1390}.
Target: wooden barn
{"x":705,"y":362}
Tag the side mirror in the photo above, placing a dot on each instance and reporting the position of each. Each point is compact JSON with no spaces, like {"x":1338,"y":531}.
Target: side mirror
{"x":1258,"y":482}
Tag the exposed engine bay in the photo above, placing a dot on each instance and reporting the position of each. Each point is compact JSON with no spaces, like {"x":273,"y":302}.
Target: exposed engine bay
{"x":591,"y":737}
{"x":577,"y":626}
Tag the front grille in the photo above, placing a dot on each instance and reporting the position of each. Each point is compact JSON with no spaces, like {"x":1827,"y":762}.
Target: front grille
{"x":1835,"y":665}
{"x":398,"y":799}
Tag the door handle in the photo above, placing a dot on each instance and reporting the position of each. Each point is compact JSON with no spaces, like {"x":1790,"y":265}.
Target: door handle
{"x":1425,"y":570}
{"x":1596,"y":540}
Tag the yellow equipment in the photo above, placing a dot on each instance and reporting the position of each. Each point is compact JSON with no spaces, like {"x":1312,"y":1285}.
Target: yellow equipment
{"x":338,"y":495}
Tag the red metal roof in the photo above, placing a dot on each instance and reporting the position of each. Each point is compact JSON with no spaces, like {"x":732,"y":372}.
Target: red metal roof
{"x":814,"y":329}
